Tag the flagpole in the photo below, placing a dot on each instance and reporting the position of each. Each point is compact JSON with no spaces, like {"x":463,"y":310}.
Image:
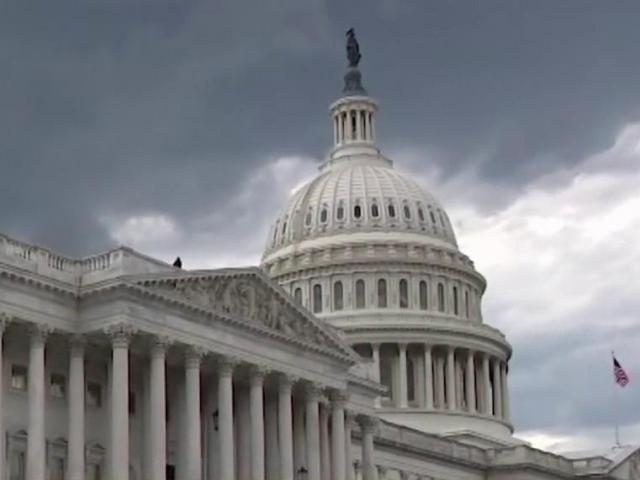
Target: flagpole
{"x":615,"y":406}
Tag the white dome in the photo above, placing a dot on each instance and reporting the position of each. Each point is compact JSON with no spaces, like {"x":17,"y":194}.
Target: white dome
{"x":360,"y":194}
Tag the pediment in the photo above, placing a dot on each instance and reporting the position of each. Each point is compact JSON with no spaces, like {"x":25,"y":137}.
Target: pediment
{"x":249,"y":297}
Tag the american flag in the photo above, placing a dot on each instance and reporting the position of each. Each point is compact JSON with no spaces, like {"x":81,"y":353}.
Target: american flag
{"x":619,"y":374}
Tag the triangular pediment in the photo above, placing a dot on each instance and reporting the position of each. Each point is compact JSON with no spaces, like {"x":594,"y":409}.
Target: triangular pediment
{"x":248,"y":295}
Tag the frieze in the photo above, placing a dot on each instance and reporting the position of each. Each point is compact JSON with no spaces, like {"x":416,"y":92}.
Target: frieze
{"x":245,"y":298}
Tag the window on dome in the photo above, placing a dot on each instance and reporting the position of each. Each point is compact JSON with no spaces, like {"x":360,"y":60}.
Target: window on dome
{"x":411,"y":376}
{"x":375,"y":212}
{"x":323,"y":215}
{"x":382,"y":293}
{"x":297,"y":296}
{"x":317,"y":298}
{"x":357,"y":211}
{"x":433,"y":217}
{"x":466,"y":303}
{"x":455,"y":301}
{"x":424,"y":297}
{"x":441,"y":304}
{"x":404,"y":294}
{"x":407,"y":212}
{"x":340,"y":212}
{"x":284,"y":228}
{"x":441,"y":219}
{"x":360,"y":294}
{"x":337,"y":296}
{"x":421,"y":214}
{"x":391,"y":210}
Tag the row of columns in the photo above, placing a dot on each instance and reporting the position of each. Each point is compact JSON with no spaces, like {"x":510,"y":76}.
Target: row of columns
{"x":452,"y":378}
{"x":343,"y":123}
{"x":328,"y":455}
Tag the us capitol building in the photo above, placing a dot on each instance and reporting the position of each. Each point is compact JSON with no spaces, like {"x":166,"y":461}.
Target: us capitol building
{"x":356,"y":351}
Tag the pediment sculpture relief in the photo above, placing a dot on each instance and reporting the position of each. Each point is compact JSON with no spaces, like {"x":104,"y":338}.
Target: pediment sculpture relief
{"x":244,"y":298}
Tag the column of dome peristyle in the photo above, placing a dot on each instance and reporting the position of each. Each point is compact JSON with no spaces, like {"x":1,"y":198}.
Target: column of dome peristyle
{"x":353,"y":119}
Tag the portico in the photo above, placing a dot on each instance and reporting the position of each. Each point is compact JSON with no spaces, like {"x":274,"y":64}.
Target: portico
{"x":180,"y":369}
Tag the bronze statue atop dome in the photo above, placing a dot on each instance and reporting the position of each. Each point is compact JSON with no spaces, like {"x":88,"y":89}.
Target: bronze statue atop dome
{"x":353,"y":48}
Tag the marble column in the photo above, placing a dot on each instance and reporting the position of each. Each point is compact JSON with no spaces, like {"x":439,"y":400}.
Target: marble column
{"x":4,"y":319}
{"x":312,"y":415}
{"x":486,"y":381}
{"x":338,"y":401}
{"x":470,"y":382}
{"x":402,"y":376}
{"x":76,"y":410}
{"x":120,"y":337}
{"x":285,"y":427}
{"x":451,"y":379}
{"x":225,"y":419}
{"x":506,"y":406}
{"x":193,"y":433}
{"x":325,"y":444}
{"x":349,"y":423}
{"x":497,"y":390}
{"x":368,"y":427}
{"x":428,"y":377}
{"x":36,"y":444}
{"x":158,"y":409}
{"x":257,"y":423}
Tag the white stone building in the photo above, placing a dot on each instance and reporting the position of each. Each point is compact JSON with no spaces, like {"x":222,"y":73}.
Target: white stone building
{"x":357,"y":351}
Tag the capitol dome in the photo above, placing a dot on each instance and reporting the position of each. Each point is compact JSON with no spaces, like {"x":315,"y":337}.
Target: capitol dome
{"x":368,"y":250}
{"x":361,"y":194}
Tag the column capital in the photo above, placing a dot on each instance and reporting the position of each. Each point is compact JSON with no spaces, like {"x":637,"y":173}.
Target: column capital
{"x":286,"y":380}
{"x":257,"y":374}
{"x":226,"y":365}
{"x":428,"y":347}
{"x":311,"y":391}
{"x":193,"y":356}
{"x":339,"y":398}
{"x":5,"y":319}
{"x":38,"y":333}
{"x":159,"y":345}
{"x":120,"y":334}
{"x":350,"y":418}
{"x":77,"y":344}
{"x":402,"y":346}
{"x":368,"y":424}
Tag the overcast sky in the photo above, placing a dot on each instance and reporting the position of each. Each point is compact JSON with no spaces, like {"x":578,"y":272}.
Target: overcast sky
{"x":181,"y":127}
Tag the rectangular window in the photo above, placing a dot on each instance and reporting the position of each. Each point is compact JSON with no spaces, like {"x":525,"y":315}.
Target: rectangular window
{"x":19,"y":377}
{"x":58,"y":385}
{"x":94,"y":394}
{"x":17,"y":466}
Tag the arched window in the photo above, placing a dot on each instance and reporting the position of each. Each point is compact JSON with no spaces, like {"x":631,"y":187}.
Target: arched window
{"x":382,"y":293}
{"x":433,"y":217}
{"x":323,"y":215}
{"x":357,"y":211}
{"x":360,"y":293}
{"x":466,"y":303}
{"x":297,"y":296}
{"x":424,"y":297}
{"x":441,"y":219}
{"x":455,"y":301}
{"x":407,"y":212}
{"x":375,"y":212}
{"x":404,"y":294}
{"x":421,"y":214}
{"x":391,"y":210}
{"x":353,"y":124}
{"x":284,"y":228}
{"x":440,"y":297}
{"x":317,"y":298}
{"x":338,"y":296}
{"x":340,"y":211}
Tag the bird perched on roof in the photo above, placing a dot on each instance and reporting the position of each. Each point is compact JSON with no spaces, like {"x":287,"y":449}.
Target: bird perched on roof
{"x":177,"y":263}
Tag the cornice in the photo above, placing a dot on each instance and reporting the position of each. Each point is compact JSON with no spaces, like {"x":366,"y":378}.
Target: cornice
{"x":36,"y":280}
